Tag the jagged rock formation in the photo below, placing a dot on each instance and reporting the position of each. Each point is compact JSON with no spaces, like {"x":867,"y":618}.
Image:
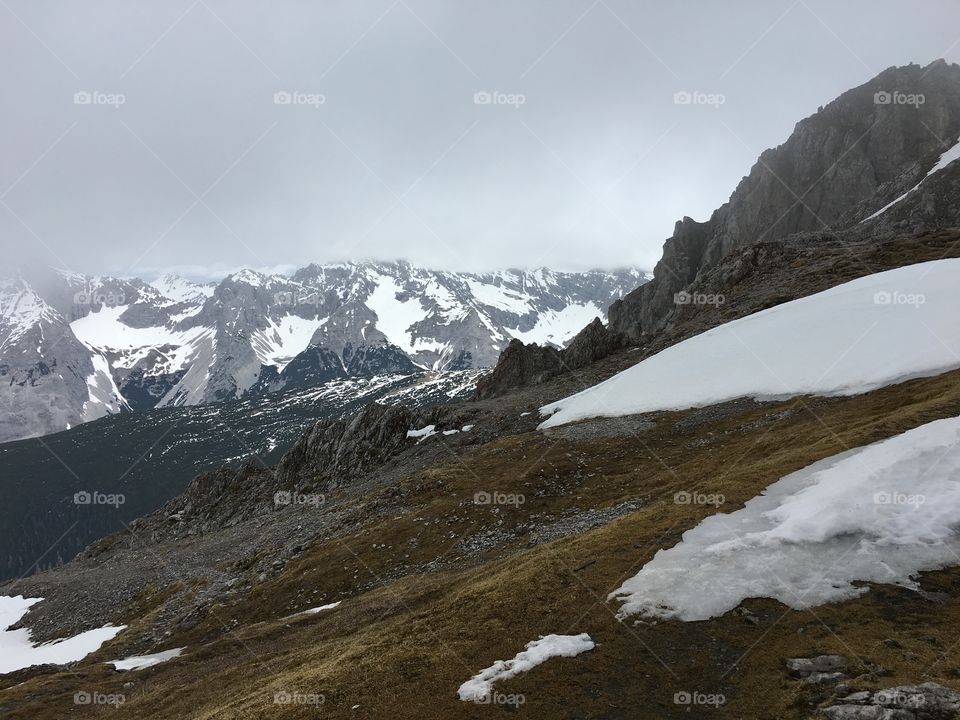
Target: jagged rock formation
{"x":76,"y":348}
{"x":839,"y":165}
{"x":874,"y":163}
{"x":531,"y":364}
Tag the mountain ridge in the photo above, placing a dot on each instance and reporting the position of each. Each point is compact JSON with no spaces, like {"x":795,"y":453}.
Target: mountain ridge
{"x":79,"y":347}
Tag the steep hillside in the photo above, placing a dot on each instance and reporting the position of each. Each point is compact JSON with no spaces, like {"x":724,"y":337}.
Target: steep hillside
{"x":393,"y":555}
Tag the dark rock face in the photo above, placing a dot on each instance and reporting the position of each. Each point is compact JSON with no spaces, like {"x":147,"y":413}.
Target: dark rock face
{"x":520,"y":365}
{"x":332,"y":453}
{"x":840,"y":165}
{"x":370,"y":360}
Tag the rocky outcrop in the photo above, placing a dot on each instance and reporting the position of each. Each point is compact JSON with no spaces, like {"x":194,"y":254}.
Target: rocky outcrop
{"x":852,"y":157}
{"x":520,"y":365}
{"x":928,"y":701}
{"x":332,"y":453}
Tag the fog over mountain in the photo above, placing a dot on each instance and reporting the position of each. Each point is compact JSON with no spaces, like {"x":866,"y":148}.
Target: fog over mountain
{"x":177,"y":155}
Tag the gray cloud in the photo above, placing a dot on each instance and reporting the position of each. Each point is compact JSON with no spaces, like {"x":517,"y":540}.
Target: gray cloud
{"x":582,"y":157}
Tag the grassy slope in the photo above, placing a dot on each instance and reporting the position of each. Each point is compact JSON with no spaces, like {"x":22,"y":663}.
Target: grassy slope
{"x":401,"y":647}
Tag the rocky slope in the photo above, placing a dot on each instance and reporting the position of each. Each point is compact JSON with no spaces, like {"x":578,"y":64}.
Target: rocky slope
{"x":877,"y":162}
{"x":449,"y":551}
{"x":850,"y":159}
{"x":144,"y":459}
{"x":75,"y":348}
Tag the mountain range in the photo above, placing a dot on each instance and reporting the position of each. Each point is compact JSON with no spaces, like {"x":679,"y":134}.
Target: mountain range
{"x":736,"y":499}
{"x":75,"y":348}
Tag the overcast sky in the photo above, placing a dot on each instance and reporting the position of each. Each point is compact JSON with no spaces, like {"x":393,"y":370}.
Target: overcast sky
{"x":178,"y":152}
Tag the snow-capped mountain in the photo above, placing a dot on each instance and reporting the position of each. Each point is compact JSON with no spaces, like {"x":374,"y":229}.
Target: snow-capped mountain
{"x":75,"y":348}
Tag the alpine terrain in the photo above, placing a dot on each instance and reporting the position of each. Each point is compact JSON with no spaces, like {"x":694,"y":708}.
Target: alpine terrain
{"x":733,"y":493}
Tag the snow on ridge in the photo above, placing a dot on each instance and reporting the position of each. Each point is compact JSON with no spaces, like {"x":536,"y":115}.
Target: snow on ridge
{"x":180,"y":290}
{"x":879,"y":513}
{"x":22,"y":309}
{"x":478,"y":688}
{"x":871,"y":332}
{"x":948,"y":156}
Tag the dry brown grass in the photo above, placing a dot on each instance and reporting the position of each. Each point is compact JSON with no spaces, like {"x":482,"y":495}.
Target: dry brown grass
{"x":402,"y":647}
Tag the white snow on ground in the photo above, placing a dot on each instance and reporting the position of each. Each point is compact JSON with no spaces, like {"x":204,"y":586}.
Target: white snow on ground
{"x":394,"y":317}
{"x":138,"y":662}
{"x":556,"y":328}
{"x":105,"y":398}
{"x":499,"y":297}
{"x":423,"y":433}
{"x":103,"y":331}
{"x":282,"y":341}
{"x":953,"y":153}
{"x":478,"y":687}
{"x":17,"y":651}
{"x":880,"y":514}
{"x":865,"y":334}
{"x":328,"y":606}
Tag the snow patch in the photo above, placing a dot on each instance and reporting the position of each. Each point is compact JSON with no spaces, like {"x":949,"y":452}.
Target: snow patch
{"x":17,"y":651}
{"x":139,"y":662}
{"x":559,"y":327}
{"x":423,"y":433}
{"x":479,"y":687}
{"x":874,"y":331}
{"x":878,"y":514}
